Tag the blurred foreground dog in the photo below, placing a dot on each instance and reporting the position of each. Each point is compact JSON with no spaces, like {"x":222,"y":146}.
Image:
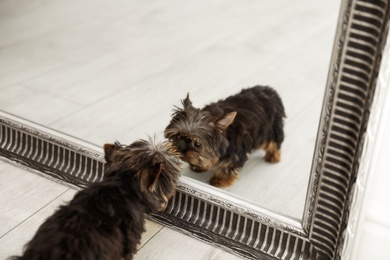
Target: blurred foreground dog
{"x":106,"y":220}
{"x":222,"y":134}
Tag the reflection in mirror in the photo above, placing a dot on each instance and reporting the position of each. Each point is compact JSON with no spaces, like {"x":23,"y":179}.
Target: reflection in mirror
{"x":106,"y":70}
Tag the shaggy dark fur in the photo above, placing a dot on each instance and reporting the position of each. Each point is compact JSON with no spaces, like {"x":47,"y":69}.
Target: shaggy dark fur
{"x":106,"y":220}
{"x":222,"y":134}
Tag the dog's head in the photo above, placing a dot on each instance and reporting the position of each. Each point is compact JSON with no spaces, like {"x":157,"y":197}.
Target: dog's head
{"x":198,"y":136}
{"x":153,"y":167}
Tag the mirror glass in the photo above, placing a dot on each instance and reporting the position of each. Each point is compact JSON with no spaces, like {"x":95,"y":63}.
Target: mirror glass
{"x":114,"y":70}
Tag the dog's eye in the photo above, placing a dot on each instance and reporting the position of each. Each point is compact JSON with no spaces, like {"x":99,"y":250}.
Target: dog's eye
{"x":197,"y":144}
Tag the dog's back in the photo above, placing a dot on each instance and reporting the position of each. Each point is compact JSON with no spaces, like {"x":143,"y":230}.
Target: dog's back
{"x":97,"y":224}
{"x":106,"y":220}
{"x":260,"y":114}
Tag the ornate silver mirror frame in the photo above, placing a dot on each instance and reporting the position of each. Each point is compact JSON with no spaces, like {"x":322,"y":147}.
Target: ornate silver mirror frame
{"x":239,"y":226}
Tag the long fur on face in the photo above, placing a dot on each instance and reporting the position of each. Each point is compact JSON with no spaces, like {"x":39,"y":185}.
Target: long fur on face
{"x":196,"y":133}
{"x":157,"y":168}
{"x":222,"y":134}
{"x":106,"y":220}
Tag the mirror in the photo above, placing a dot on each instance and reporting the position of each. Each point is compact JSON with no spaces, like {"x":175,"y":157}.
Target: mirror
{"x":80,"y":70}
{"x":114,"y":71}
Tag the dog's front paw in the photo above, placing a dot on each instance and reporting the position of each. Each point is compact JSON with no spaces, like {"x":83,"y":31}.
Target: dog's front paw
{"x":223,"y":182}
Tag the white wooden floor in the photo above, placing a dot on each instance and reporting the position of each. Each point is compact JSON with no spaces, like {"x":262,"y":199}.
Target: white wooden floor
{"x":112,"y":70}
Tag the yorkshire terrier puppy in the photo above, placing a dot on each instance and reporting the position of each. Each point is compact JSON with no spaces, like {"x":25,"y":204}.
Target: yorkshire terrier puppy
{"x":222,"y":134}
{"x":106,"y":220}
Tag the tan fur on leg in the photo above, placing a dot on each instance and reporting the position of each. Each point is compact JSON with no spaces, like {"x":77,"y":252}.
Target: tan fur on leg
{"x":272,"y":153}
{"x":224,"y":175}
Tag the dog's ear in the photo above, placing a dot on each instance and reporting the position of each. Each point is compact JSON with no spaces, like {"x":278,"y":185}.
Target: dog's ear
{"x":110,"y":150}
{"x":150,"y":176}
{"x":187,"y":102}
{"x":226,"y":120}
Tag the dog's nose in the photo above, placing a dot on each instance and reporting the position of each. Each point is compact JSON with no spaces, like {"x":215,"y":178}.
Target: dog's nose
{"x":181,"y":145}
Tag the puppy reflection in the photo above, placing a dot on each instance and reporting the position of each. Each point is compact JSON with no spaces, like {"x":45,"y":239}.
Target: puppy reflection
{"x":222,"y":134}
{"x":106,"y":220}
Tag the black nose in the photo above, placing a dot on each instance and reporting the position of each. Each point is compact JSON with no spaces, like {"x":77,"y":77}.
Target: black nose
{"x":181,"y":145}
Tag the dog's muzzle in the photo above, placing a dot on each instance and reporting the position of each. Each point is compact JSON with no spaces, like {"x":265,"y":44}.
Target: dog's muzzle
{"x":196,"y":168}
{"x":182,"y":144}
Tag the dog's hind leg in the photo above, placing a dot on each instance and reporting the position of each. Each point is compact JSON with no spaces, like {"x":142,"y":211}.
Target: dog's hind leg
{"x":272,"y":148}
{"x":272,"y":152}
